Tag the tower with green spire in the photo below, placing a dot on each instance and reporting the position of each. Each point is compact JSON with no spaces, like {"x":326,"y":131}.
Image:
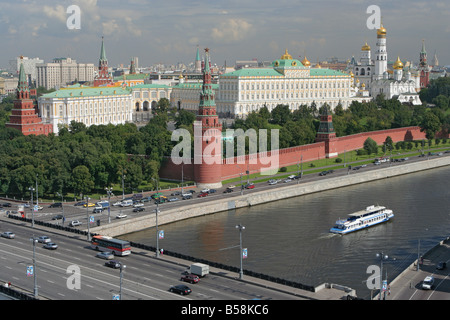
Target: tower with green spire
{"x":24,"y":115}
{"x":207,"y":135}
{"x":198,"y":62}
{"x":103,"y":78}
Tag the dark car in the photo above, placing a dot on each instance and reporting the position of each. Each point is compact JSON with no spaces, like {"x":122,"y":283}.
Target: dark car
{"x":58,"y":217}
{"x":113,"y":264}
{"x":55,"y":205}
{"x":203,"y":194}
{"x":80,"y":203}
{"x":192,"y":278}
{"x":441,"y":265}
{"x":323,"y":173}
{"x":212,"y":191}
{"x":181,"y":289}
{"x":6,"y":204}
{"x":186,"y":197}
{"x":138,"y":209}
{"x":97,"y":210}
{"x":228,"y":190}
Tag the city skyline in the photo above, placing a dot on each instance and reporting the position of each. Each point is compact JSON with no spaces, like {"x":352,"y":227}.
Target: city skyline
{"x":169,"y":32}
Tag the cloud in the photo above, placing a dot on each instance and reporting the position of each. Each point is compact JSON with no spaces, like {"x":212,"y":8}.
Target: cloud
{"x":58,"y":12}
{"x":231,"y":30}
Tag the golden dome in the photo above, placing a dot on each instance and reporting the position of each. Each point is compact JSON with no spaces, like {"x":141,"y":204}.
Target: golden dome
{"x":381,"y":31}
{"x":365,"y":47}
{"x":398,"y":64}
{"x":286,"y":56}
{"x":306,"y":62}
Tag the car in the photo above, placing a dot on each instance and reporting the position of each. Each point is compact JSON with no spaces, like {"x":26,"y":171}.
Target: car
{"x":377,"y":163}
{"x":8,"y":235}
{"x":137,"y":205}
{"x":176,"y":193}
{"x":51,"y":246}
{"x":212,"y":191}
{"x":201,"y":195}
{"x":90,"y":204}
{"x":292,"y":176}
{"x":441,"y":265}
{"x":55,"y":205}
{"x":97,"y":210}
{"x":181,"y":289}
{"x":113,"y":264}
{"x":80,"y":203}
{"x":249,"y":186}
{"x":287,"y":180}
{"x":6,"y":204}
{"x":428,"y":283}
{"x":44,"y":239}
{"x":205,"y":190}
{"x":105,"y":255}
{"x":173,"y":199}
{"x":272,"y":182}
{"x":186,"y":197}
{"x":228,"y":190}
{"x":192,"y":191}
{"x":74,"y":223}
{"x":138,"y":209}
{"x":192,"y":278}
{"x":39,"y":207}
{"x":121,"y":216}
{"x":117,"y":203}
{"x":58,"y":217}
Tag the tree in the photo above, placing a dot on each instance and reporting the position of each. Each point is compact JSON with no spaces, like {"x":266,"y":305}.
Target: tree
{"x":430,"y":125}
{"x":370,"y":146}
{"x":81,"y":180}
{"x":281,"y":114}
{"x":184,"y":117}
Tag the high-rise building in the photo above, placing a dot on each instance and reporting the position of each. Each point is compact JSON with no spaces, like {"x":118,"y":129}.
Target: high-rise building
{"x":29,"y":65}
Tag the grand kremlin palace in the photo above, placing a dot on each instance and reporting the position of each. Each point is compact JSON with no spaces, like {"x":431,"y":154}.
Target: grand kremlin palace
{"x":287,"y":81}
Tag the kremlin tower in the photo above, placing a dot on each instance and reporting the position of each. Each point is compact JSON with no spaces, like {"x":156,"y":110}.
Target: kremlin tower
{"x":207,"y":135}
{"x":424,"y":68}
{"x":103,"y":78}
{"x":24,"y":115}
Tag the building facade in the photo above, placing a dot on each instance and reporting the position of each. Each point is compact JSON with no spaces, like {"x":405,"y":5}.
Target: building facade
{"x":88,"y":105}
{"x":288,"y":81}
{"x":61,"y":72}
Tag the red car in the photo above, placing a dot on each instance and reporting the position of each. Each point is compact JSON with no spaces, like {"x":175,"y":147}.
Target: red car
{"x":250,"y":186}
{"x":203,"y":194}
{"x":192,"y":278}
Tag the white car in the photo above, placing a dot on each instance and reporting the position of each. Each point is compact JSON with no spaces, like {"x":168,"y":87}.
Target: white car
{"x":272,"y":182}
{"x":75,"y":223}
{"x":206,"y":190}
{"x":137,"y":205}
{"x":8,"y":235}
{"x":428,"y":282}
{"x":121,"y":216}
{"x":44,"y":239}
{"x":118,"y":203}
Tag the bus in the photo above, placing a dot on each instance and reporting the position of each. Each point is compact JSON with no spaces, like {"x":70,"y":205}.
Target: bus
{"x":116,"y":246}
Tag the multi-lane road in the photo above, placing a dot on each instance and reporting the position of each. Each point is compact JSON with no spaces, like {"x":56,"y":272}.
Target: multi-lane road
{"x":73,"y":271}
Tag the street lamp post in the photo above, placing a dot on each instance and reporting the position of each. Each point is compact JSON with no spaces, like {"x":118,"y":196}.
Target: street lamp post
{"x":87,"y":217}
{"x":240,"y":227}
{"x":382,"y":257}
{"x":62,"y":207}
{"x":156,"y":212}
{"x":122,"y":266}
{"x":31,"y":206}
{"x":34,"y":240}
{"x":109,"y":191}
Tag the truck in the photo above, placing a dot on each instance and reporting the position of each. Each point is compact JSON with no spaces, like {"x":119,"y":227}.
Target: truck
{"x":199,"y":269}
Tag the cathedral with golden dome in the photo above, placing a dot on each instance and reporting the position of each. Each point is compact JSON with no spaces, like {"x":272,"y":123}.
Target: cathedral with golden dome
{"x":372,"y":77}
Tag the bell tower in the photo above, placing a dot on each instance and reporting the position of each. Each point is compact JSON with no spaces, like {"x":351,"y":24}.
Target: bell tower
{"x":207,"y":135}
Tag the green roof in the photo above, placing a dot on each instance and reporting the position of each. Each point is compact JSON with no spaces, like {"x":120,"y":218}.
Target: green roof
{"x":253,"y":72}
{"x":322,"y":72}
{"x":151,"y":86}
{"x":194,"y":85}
{"x":135,"y":76}
{"x":287,"y":64}
{"x":87,"y":92}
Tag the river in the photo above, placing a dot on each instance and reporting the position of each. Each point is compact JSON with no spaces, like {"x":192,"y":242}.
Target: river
{"x":290,"y":239}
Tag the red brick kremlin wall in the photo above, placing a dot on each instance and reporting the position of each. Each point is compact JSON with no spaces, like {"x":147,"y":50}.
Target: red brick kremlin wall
{"x":232,"y":168}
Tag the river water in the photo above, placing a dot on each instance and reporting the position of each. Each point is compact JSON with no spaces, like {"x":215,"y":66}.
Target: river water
{"x":290,"y":238}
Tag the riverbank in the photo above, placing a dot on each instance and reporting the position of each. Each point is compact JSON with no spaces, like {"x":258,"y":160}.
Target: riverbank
{"x":260,"y":197}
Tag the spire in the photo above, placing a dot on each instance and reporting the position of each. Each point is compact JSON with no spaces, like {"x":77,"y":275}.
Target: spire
{"x":23,"y":82}
{"x":423,"y":47}
{"x":197,"y":57}
{"x":132,"y":67}
{"x":102,"y":52}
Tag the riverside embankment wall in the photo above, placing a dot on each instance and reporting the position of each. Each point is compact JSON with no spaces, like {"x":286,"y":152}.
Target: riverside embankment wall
{"x":255,"y":198}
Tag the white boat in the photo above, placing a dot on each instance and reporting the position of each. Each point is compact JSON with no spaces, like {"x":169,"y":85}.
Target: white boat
{"x":362,"y":219}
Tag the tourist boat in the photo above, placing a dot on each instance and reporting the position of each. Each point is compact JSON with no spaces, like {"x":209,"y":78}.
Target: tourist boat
{"x":363,"y":219}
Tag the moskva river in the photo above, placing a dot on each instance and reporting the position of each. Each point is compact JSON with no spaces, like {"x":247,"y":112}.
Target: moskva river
{"x":290,"y":238}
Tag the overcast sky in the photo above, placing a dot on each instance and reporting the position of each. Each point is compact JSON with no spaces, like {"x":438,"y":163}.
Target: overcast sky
{"x":169,"y":31}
